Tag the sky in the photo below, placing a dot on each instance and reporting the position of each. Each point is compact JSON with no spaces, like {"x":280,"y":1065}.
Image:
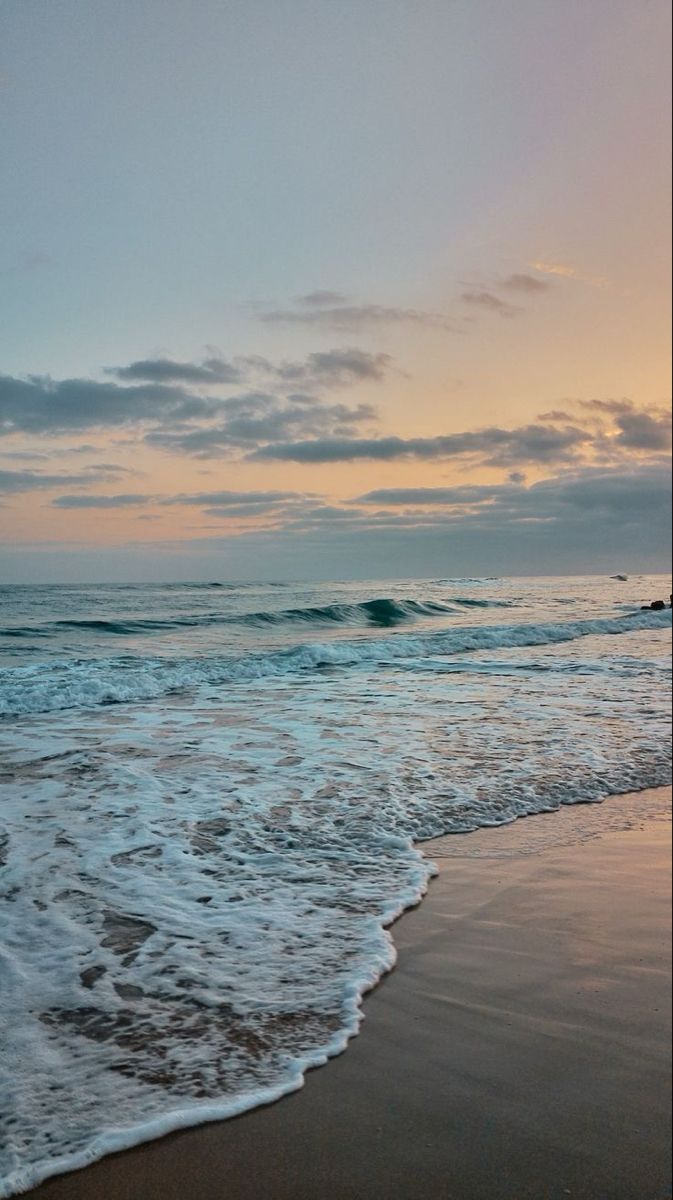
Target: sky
{"x":296,"y":289}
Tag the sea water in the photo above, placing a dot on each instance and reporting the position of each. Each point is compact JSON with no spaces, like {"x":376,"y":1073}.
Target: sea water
{"x":211,"y":796}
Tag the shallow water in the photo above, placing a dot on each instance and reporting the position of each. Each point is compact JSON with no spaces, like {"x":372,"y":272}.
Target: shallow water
{"x":210,"y":797}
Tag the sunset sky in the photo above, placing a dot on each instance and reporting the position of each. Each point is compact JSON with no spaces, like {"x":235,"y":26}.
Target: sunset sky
{"x":333,"y":288}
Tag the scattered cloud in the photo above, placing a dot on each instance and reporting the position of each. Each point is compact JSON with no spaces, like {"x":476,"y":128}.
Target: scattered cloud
{"x":32,"y":481}
{"x":256,"y":419}
{"x":326,"y":309}
{"x":546,"y":268}
{"x":613,"y":431}
{"x":585,"y":518}
{"x":565,"y":271}
{"x":166,"y":370}
{"x":585,"y":489}
{"x":161,"y":394}
{"x":492,"y":447}
{"x":555,"y":414}
{"x":434,"y":496}
{"x":634,"y":428}
{"x":606,"y":475}
{"x":221,"y":504}
{"x":229,"y":499}
{"x":336,"y":368}
{"x":600,"y":510}
{"x":40,"y":404}
{"x":350,"y":318}
{"x":87,"y":501}
{"x":640,"y":431}
{"x":23,"y":456}
{"x":490,"y":302}
{"x":322,"y":298}
{"x":525,"y":283}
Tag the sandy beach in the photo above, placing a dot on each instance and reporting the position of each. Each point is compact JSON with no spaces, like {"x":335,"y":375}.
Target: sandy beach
{"x":519,"y":1051}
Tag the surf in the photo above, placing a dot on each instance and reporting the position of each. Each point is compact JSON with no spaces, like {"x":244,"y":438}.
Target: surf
{"x":128,"y":679}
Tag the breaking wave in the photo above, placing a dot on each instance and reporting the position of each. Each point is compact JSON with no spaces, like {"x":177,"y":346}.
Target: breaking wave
{"x":127,"y":679}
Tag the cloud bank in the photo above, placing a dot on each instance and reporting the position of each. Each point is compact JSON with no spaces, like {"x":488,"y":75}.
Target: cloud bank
{"x":604,"y":460}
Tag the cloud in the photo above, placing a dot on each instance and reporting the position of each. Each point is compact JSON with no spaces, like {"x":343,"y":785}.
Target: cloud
{"x":561,"y":269}
{"x":331,"y":310}
{"x":322,"y":298}
{"x":258,"y":419}
{"x":608,"y":406}
{"x":31,"y":481}
{"x":165,"y":399}
{"x":578,"y":494}
{"x":461,"y":495}
{"x":584,"y":520}
{"x":615,"y":431}
{"x":336,"y":368}
{"x":349,"y":318}
{"x":525,"y":283}
{"x":121,"y":501}
{"x":23,"y":456}
{"x":219,"y":503}
{"x":487,"y":300}
{"x":62,"y":452}
{"x":567,"y":272}
{"x":620,"y":495}
{"x":269,"y":514}
{"x":647,"y":429}
{"x":493,"y":447}
{"x":40,"y":404}
{"x":556,"y":414}
{"x":574,"y":520}
{"x":590,"y":494}
{"x":581,"y":519}
{"x":166,"y":370}
{"x":230,"y":500}
{"x":326,"y":369}
{"x":641,"y":431}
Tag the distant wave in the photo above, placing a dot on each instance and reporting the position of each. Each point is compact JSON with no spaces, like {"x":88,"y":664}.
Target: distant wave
{"x":473,"y":602}
{"x":383,"y":612}
{"x":127,"y":679}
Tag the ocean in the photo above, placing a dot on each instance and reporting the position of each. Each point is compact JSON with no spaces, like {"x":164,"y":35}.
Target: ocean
{"x":212,"y":796}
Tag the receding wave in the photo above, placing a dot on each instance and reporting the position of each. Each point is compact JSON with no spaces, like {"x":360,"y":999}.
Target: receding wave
{"x":384,"y":612}
{"x":127,"y":679}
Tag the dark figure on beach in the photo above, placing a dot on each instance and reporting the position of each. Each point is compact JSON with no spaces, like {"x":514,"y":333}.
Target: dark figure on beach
{"x":657,"y":605}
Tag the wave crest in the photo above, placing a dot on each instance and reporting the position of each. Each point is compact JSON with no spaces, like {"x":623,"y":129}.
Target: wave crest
{"x":127,"y":679}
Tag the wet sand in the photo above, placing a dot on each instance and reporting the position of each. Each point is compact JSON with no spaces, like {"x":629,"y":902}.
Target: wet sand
{"x":519,"y":1051}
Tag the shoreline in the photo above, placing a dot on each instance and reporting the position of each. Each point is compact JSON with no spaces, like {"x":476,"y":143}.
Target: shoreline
{"x":427,"y":1100}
